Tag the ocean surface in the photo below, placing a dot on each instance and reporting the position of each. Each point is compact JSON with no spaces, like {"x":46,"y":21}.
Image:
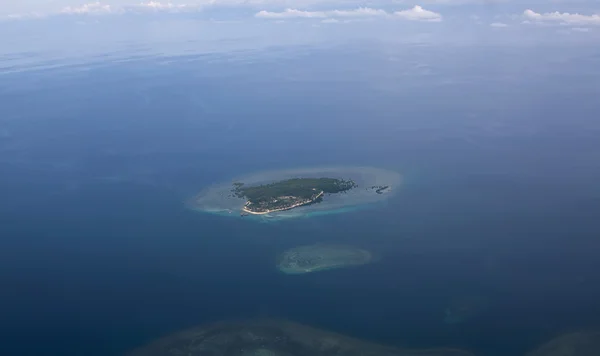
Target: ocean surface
{"x":497,"y":215}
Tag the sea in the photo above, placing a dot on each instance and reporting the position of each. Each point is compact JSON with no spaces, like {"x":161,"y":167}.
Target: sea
{"x":496,"y":220}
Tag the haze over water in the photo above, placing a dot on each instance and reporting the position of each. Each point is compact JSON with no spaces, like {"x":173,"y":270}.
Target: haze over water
{"x":498,"y":148}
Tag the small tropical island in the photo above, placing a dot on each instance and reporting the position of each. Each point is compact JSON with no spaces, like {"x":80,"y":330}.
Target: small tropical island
{"x":288,"y":194}
{"x":277,"y":195}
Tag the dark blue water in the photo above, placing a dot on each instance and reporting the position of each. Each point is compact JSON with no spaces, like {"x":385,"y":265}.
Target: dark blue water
{"x":500,"y":201}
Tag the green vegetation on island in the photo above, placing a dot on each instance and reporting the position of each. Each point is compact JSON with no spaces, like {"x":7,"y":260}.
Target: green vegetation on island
{"x":288,"y":194}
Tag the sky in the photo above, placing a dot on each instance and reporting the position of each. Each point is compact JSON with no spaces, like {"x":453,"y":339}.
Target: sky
{"x":571,"y":13}
{"x":77,"y":26}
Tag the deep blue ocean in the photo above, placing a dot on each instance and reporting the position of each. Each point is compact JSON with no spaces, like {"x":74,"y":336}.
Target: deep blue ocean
{"x":499,"y":208}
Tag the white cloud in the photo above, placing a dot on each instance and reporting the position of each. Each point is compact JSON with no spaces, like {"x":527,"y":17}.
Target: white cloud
{"x":330,"y":21}
{"x":290,"y":13}
{"x":295,"y":13}
{"x":360,"y":12}
{"x":91,"y":8}
{"x":580,"y":29}
{"x":101,"y":8}
{"x":54,"y":6}
{"x":158,"y":6}
{"x":452,"y":2}
{"x":418,"y":13}
{"x":498,"y":24}
{"x":564,"y":18}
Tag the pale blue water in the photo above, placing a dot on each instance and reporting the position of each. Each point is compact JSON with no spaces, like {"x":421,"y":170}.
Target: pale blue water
{"x":498,"y":147}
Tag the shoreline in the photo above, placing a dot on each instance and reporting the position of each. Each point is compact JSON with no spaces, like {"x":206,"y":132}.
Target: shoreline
{"x":217,"y":198}
{"x":245,"y":210}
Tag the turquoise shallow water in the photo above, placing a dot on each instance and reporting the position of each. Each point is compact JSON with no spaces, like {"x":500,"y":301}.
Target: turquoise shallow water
{"x":337,"y":211}
{"x":291,"y":215}
{"x":309,"y":214}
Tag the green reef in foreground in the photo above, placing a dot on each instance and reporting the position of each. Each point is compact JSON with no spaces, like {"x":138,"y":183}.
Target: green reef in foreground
{"x":277,"y":337}
{"x":321,"y":257}
{"x":271,"y":337}
{"x":582,"y":343}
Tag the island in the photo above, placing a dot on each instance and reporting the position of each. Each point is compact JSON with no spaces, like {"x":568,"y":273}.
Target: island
{"x":321,"y":257}
{"x":288,"y":194}
{"x":279,"y":195}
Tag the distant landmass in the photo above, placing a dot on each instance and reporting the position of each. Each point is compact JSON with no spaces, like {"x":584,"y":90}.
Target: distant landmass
{"x":288,"y":194}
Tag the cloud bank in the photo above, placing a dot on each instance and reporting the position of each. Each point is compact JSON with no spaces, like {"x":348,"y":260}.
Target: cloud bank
{"x":98,"y":8}
{"x":91,"y":8}
{"x":155,"y":5}
{"x":417,"y":13}
{"x":559,"y":18}
{"x":360,"y":12}
{"x":290,"y":14}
